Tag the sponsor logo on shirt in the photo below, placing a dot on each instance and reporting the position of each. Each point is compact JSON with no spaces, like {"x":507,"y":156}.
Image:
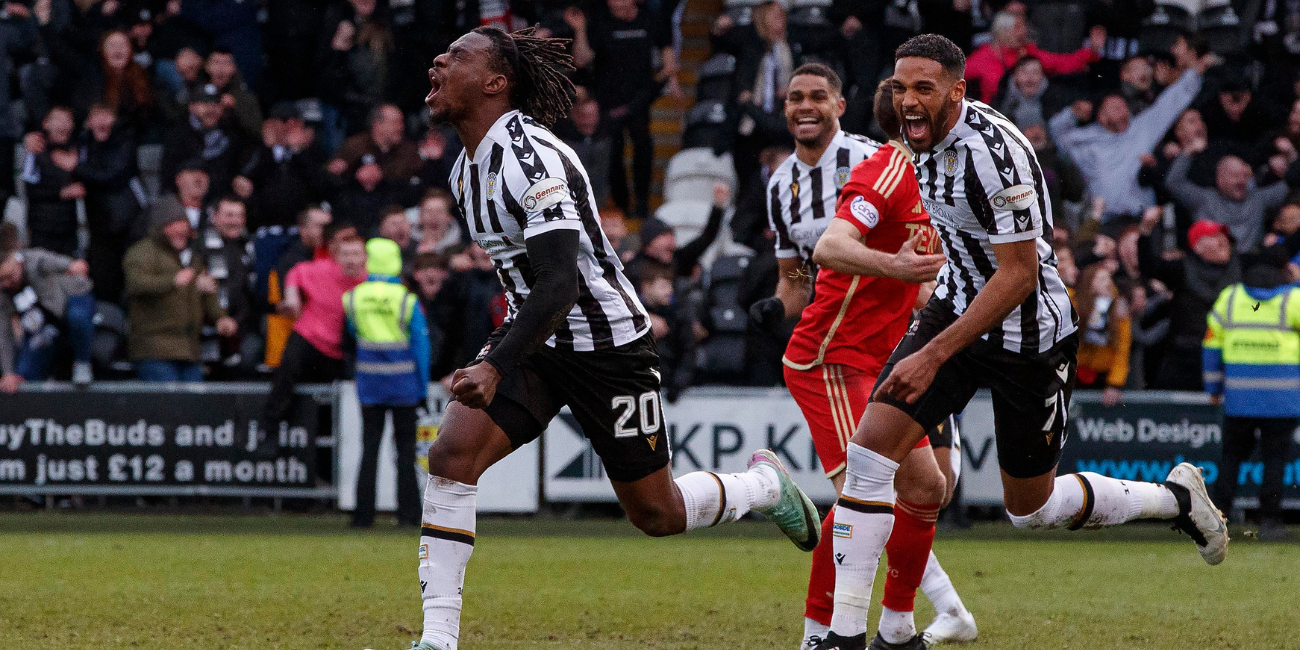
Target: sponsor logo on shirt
{"x":544,"y":194}
{"x":864,"y":211}
{"x":842,"y":530}
{"x":1016,"y":197}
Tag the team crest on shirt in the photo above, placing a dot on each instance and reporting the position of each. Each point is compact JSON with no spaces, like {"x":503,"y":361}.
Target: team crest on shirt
{"x":841,"y":177}
{"x":950,"y":162}
{"x":491,"y":183}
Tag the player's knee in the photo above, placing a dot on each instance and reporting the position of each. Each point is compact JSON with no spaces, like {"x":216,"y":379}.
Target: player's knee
{"x":1046,"y":515}
{"x":449,"y":459}
{"x":922,"y":487}
{"x":658,"y":522}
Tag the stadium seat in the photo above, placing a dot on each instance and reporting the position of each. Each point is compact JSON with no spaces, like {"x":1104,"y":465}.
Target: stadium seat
{"x":716,"y":78}
{"x":1222,"y":28}
{"x":1191,"y":7}
{"x":723,"y":291}
{"x":109,"y":343}
{"x":810,"y":31}
{"x":687,"y":217}
{"x":1060,"y":26}
{"x":149,"y":158}
{"x":722,"y":357}
{"x":724,"y":294}
{"x":728,"y":268}
{"x":692,"y":173}
{"x":1164,"y":26}
{"x":731,"y":320}
{"x":708,"y":124}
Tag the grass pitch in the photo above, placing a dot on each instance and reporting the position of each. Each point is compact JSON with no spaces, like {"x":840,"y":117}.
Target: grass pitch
{"x":176,"y":582}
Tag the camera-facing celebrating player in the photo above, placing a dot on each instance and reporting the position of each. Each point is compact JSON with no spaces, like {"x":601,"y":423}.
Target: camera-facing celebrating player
{"x":928,"y":87}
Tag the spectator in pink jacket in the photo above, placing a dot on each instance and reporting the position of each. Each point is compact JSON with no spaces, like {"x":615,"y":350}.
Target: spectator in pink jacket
{"x":986,"y":65}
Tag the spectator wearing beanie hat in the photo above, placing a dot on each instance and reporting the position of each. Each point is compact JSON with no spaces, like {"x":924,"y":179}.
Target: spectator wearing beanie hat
{"x":170,"y":297}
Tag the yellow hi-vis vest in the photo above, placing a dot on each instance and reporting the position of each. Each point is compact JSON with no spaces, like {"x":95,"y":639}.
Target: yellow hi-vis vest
{"x":1251,"y":353}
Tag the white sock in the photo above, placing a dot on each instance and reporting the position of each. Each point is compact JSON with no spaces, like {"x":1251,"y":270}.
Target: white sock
{"x":713,"y":499}
{"x":446,"y":542}
{"x":812,"y":629}
{"x":865,"y":514}
{"x":1088,"y":500}
{"x":896,"y":627}
{"x":937,"y":586}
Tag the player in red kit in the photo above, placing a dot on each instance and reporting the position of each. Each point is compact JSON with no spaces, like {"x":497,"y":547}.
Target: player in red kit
{"x":852,"y":324}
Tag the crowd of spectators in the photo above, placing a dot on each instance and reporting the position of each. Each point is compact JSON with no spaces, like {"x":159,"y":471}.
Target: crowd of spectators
{"x":193,"y":174}
{"x":190,"y":178}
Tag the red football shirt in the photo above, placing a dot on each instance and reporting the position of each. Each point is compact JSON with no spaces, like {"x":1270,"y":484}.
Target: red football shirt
{"x":857,"y":320}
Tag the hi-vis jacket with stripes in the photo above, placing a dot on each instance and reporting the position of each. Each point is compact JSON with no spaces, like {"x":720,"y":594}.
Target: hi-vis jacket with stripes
{"x":1252,"y":351}
{"x":393,"y":350}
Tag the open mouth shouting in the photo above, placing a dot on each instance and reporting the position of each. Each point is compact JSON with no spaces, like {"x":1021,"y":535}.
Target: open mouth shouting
{"x":918,"y":129}
{"x":435,"y":81}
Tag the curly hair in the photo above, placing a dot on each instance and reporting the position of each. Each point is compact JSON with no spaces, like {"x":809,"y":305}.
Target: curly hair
{"x":537,"y":72}
{"x":937,"y":49}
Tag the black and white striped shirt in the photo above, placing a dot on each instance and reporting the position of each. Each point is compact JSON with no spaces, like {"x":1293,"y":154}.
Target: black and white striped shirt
{"x":982,"y":185}
{"x":523,"y":181}
{"x":801,"y":198}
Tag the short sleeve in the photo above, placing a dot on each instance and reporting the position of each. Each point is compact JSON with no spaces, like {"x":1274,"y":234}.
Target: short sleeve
{"x":295,"y":278}
{"x":548,"y":205}
{"x":785,"y":247}
{"x":543,"y":182}
{"x":1001,"y":189}
{"x":860,"y":206}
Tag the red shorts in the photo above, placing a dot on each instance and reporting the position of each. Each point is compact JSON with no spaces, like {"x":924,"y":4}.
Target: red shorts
{"x":832,"y":398}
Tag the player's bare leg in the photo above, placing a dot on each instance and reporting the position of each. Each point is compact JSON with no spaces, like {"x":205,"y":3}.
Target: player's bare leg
{"x":468,"y":443}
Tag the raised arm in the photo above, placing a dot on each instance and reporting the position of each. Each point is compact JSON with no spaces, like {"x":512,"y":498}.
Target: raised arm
{"x":1182,"y":188}
{"x":1150,"y":125}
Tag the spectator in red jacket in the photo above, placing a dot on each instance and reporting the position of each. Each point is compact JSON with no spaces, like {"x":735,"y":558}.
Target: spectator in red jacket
{"x":987,"y":64}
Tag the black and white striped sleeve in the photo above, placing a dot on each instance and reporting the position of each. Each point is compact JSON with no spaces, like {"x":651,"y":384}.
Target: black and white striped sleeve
{"x":785,"y":247}
{"x":535,"y":188}
{"x":1006,"y":195}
